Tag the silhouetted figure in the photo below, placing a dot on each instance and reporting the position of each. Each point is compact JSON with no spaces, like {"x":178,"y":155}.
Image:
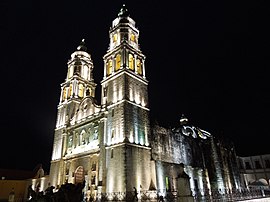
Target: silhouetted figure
{"x":135,"y":194}
{"x":31,"y":195}
{"x":67,"y":193}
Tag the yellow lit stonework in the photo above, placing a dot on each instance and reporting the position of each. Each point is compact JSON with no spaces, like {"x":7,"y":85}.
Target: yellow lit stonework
{"x":114,"y":37}
{"x":131,"y":61}
{"x":139,"y":66}
{"x":70,"y":91}
{"x":65,"y":93}
{"x":133,"y":37}
{"x":86,"y":129}
{"x":109,"y":67}
{"x":80,"y":94}
{"x":118,"y":62}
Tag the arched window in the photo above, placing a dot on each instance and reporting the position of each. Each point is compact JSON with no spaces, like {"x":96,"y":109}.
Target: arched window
{"x":64,"y":93}
{"x":79,"y":175}
{"x":139,"y":66}
{"x":94,"y":166}
{"x":89,"y":92}
{"x":70,"y":91}
{"x":133,"y":37}
{"x":118,"y":62}
{"x":80,"y":90}
{"x":114,"y":37}
{"x":109,"y":67}
{"x":85,"y":71}
{"x":131,"y":61}
{"x":70,"y":72}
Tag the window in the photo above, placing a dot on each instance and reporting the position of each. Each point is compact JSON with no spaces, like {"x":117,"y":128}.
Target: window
{"x":85,"y":71}
{"x":267,"y":163}
{"x":139,"y":67}
{"x":131,"y":61}
{"x":241,"y":165}
{"x":88,"y":92}
{"x":105,"y":92}
{"x":70,"y":72}
{"x":67,"y":171}
{"x":133,"y":37}
{"x":94,"y":166}
{"x":109,"y":67}
{"x":247,"y":165}
{"x":112,"y":153}
{"x":70,"y":91}
{"x":79,"y":175}
{"x":258,"y":165}
{"x":80,"y":90}
{"x":167,"y":181}
{"x":64,"y":93}
{"x":118,"y":62}
{"x":114,"y":37}
{"x":112,"y":134}
{"x":112,"y":112}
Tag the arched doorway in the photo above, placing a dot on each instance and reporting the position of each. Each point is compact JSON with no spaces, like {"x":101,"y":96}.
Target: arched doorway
{"x":79,"y":175}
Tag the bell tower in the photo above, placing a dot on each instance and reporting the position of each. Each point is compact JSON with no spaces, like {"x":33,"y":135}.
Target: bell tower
{"x":124,"y":85}
{"x":78,"y":84}
{"x":125,"y":95}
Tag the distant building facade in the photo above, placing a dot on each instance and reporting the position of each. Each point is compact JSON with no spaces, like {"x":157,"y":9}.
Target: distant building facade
{"x":255,"y":170}
{"x":14,"y":184}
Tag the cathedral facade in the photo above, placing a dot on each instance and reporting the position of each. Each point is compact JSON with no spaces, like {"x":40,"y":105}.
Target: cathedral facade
{"x":112,"y":146}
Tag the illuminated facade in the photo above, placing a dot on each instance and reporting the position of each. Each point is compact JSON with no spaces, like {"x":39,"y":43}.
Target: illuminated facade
{"x":107,"y":145}
{"x":112,"y":146}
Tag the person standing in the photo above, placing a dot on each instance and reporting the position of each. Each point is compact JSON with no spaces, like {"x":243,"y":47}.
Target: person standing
{"x":135,"y":194}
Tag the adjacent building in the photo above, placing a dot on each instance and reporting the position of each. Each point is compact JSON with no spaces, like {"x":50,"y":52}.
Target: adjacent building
{"x":255,"y":170}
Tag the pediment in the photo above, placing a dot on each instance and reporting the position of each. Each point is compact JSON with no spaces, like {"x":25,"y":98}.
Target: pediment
{"x":87,"y":109}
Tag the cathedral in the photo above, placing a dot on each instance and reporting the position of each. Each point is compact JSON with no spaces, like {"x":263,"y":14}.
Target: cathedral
{"x":113,"y":148}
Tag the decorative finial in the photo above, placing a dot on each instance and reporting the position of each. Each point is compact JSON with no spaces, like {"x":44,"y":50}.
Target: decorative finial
{"x":123,"y":12}
{"x":183,"y":119}
{"x":82,"y":46}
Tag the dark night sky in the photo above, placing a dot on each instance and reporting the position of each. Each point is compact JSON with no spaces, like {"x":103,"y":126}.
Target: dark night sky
{"x":206,"y":59}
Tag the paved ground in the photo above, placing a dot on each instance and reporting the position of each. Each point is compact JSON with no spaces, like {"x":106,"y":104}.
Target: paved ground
{"x":258,"y":200}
